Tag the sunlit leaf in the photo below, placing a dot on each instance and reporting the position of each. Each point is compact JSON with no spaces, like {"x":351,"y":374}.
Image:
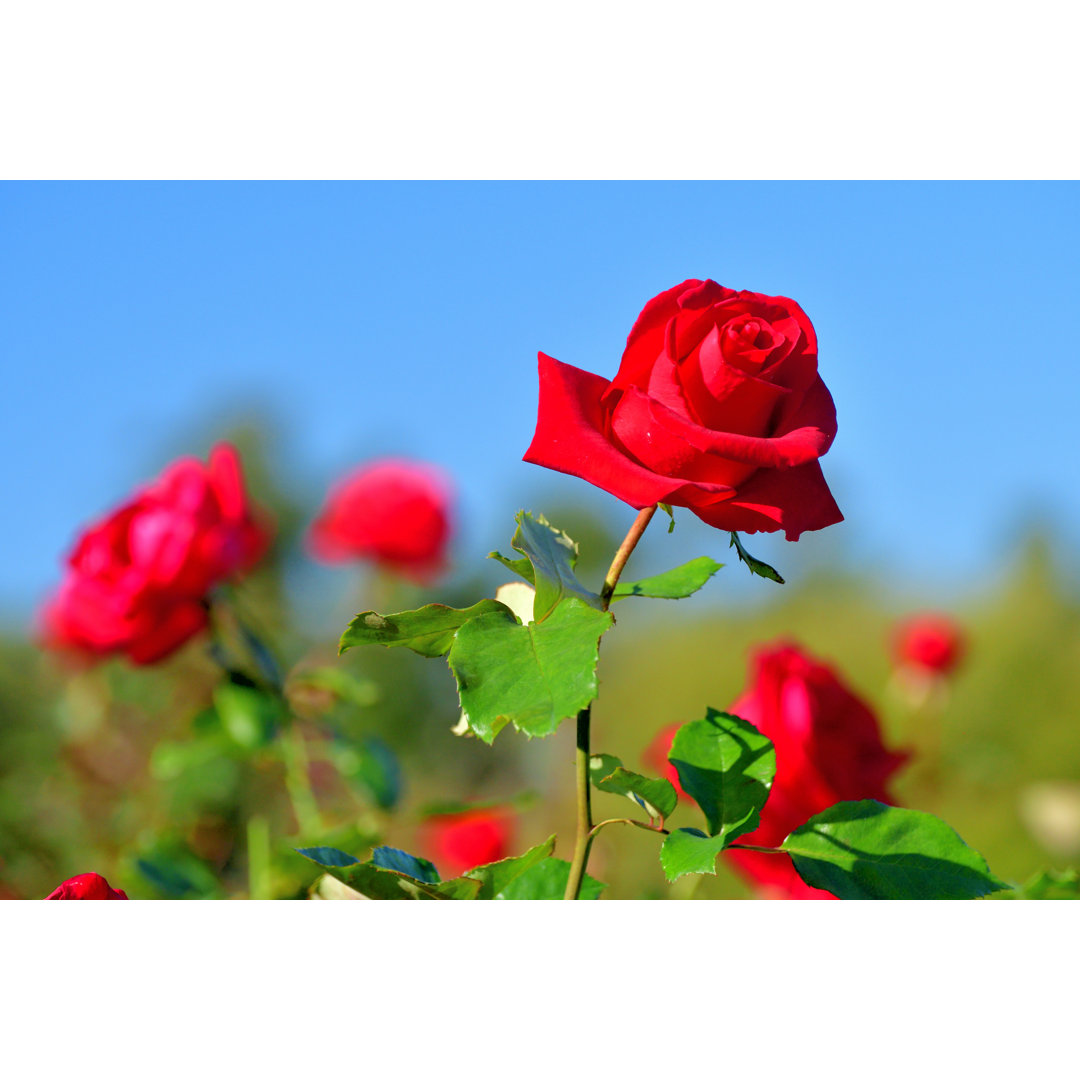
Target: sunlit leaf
{"x":657,"y":798}
{"x":690,"y":851}
{"x":547,"y":881}
{"x":727,"y":766}
{"x":869,"y":851}
{"x":428,"y":631}
{"x":533,"y":676}
{"x":674,"y":584}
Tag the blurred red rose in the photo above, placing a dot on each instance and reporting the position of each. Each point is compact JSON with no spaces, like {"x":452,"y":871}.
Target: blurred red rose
{"x":137,"y":581}
{"x":932,"y":643}
{"x":717,"y":406}
{"x":394,"y":512}
{"x":86,"y":887}
{"x":828,"y":750}
{"x":458,"y":842}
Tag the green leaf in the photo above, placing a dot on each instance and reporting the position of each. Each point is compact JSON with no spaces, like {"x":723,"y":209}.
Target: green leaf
{"x":553,"y":556}
{"x":756,"y":565}
{"x":674,"y":584}
{"x":658,"y":798}
{"x":671,"y":514}
{"x":690,"y":851}
{"x":727,"y":766}
{"x":547,"y":881}
{"x":533,"y":676}
{"x":495,"y":877}
{"x":869,"y":851}
{"x":390,"y":858}
{"x":428,"y":631}
{"x":378,"y":883}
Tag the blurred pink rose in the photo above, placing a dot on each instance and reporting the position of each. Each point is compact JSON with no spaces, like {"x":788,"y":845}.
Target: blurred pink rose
{"x":393,"y":512}
{"x":137,"y":581}
{"x":458,"y":842}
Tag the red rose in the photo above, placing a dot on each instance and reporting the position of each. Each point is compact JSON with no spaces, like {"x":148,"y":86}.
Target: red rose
{"x":930,"y":643}
{"x":86,"y":887}
{"x":828,"y":750}
{"x":717,"y":406}
{"x":137,"y":581}
{"x":394,"y":512}
{"x":458,"y":842}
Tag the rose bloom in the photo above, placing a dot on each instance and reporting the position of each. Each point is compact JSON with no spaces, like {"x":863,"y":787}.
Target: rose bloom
{"x":86,"y":887}
{"x":931,"y":643}
{"x":393,"y":512}
{"x":828,"y":750}
{"x":458,"y":842}
{"x":137,"y":581}
{"x":717,"y":406}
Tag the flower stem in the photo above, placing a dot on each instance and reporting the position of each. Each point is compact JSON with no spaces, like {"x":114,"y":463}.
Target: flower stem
{"x":584,"y":793}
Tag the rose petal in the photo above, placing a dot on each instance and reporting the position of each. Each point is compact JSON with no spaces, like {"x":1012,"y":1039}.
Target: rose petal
{"x":570,"y":438}
{"x":796,"y":500}
{"x":165,"y":631}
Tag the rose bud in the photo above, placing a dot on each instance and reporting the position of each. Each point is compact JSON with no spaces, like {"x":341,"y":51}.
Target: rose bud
{"x":931,"y":643}
{"x":137,"y":581}
{"x":828,"y":750}
{"x":86,"y":887}
{"x":717,"y":406}
{"x":458,"y":842}
{"x":393,"y":512}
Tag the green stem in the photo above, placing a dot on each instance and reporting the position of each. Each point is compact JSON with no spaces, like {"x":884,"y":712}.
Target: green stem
{"x":754,"y":847}
{"x":298,"y":783}
{"x":628,"y":821}
{"x":583,"y":843}
{"x":258,"y":854}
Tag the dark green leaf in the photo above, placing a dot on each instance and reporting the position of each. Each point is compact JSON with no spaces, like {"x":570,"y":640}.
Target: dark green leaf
{"x":869,"y":851}
{"x":495,"y":877}
{"x":657,"y":798}
{"x":756,"y":565}
{"x":726,"y":765}
{"x":553,"y":556}
{"x":327,"y":856}
{"x":674,"y":584}
{"x":671,"y":514}
{"x":429,"y":630}
{"x":389,"y":858}
{"x":264,"y":658}
{"x":690,"y":851}
{"x":547,"y":881}
{"x":534,"y":676}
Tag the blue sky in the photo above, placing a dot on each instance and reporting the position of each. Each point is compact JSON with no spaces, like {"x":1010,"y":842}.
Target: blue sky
{"x":371,"y":318}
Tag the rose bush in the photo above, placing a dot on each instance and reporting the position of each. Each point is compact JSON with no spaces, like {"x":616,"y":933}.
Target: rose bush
{"x":717,"y":406}
{"x":828,"y":750}
{"x":137,"y":582}
{"x":86,"y":887}
{"x":394,"y":512}
{"x":458,"y":842}
{"x":930,"y":643}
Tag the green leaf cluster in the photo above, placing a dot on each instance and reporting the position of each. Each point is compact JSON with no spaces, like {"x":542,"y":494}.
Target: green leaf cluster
{"x":726,"y":766}
{"x":391,"y":874}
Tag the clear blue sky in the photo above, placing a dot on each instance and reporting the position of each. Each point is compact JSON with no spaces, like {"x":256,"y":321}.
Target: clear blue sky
{"x":372,"y":318}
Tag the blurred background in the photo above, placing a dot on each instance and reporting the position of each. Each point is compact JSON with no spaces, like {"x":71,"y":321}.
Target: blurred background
{"x":318,"y":326}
